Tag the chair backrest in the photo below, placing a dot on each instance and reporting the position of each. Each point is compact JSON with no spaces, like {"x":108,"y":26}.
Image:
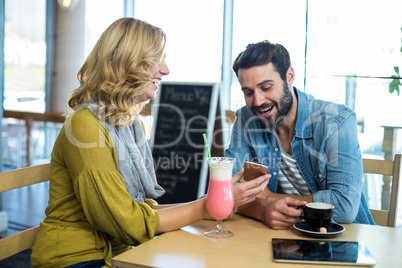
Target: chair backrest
{"x":386,"y":168}
{"x":14,"y":179}
{"x":230,"y":116}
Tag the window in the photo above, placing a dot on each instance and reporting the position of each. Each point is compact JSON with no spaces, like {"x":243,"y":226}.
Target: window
{"x":194,"y":36}
{"x":349,"y":56}
{"x":353,"y":47}
{"x":25,"y":55}
{"x":282,"y":22}
{"x":99,"y":14}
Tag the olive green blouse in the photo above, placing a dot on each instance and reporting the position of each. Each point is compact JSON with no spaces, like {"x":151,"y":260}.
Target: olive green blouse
{"x":90,"y":214}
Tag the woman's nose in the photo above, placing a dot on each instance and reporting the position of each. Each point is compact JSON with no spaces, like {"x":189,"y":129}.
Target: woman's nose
{"x":163,"y":68}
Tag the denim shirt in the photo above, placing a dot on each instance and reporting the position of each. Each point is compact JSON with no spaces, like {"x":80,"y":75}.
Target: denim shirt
{"x":326,"y":149}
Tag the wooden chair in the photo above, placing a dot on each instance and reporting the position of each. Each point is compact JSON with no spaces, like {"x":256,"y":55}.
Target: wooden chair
{"x":14,"y":179}
{"x":385,"y":168}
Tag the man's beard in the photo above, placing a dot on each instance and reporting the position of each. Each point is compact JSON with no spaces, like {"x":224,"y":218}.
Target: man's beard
{"x":285,"y":104}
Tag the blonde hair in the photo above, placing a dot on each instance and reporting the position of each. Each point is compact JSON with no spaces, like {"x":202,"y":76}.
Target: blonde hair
{"x":117,"y":70}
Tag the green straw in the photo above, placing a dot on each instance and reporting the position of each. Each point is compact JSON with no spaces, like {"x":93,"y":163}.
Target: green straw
{"x":206,"y":145}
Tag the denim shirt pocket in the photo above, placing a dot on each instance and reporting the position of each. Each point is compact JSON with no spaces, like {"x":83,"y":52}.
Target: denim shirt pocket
{"x":320,"y":174}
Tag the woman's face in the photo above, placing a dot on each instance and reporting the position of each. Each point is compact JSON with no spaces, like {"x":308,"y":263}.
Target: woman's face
{"x":152,"y":86}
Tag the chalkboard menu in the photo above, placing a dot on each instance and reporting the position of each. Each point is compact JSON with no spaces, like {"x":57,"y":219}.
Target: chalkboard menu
{"x":182,"y":113}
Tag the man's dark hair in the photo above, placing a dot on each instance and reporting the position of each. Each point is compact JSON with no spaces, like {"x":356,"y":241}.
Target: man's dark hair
{"x":262,"y":53}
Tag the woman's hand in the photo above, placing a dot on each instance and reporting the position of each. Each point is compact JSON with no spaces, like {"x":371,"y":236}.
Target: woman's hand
{"x":246,"y":191}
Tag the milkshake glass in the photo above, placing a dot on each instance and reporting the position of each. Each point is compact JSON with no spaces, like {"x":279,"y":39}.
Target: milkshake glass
{"x":220,"y":199}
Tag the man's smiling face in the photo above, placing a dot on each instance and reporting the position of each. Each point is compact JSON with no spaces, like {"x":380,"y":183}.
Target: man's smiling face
{"x":265,"y":93}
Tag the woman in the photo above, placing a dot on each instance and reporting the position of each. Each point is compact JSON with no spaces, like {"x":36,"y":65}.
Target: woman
{"x":103,"y":184}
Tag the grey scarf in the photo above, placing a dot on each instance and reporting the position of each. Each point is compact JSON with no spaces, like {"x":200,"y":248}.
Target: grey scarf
{"x":134,"y":157}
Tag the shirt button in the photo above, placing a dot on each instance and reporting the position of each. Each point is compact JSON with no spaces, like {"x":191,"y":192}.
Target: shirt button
{"x":276,"y":149}
{"x":274,"y":173}
{"x":319,"y":175}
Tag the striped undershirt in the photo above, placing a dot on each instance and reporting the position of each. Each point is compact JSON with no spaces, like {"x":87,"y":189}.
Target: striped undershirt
{"x":290,"y":179}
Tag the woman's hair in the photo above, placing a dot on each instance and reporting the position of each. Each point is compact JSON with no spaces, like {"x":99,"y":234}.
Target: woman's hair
{"x":263,"y":53}
{"x":117,"y":70}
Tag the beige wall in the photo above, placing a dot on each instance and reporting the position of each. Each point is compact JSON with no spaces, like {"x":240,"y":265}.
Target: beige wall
{"x":69,"y":49}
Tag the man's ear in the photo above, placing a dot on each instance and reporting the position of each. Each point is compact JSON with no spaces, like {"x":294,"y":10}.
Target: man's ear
{"x":290,"y":76}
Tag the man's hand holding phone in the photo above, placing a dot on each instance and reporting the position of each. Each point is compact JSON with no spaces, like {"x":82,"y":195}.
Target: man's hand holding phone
{"x":247,"y":191}
{"x":254,"y":170}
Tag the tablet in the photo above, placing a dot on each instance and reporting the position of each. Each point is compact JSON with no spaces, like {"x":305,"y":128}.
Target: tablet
{"x":321,"y":252}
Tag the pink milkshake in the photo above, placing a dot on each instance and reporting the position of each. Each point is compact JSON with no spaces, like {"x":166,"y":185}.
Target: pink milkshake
{"x":220,"y":199}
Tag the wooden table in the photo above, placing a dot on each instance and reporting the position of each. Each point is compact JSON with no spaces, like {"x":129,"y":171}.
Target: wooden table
{"x":249,"y":247}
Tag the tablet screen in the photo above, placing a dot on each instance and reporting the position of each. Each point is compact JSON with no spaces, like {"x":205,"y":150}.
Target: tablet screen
{"x":321,"y":252}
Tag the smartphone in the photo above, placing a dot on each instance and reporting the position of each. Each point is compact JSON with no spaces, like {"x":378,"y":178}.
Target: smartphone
{"x":253,"y":170}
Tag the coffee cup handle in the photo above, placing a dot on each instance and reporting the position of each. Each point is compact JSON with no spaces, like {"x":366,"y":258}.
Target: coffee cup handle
{"x":303,"y":208}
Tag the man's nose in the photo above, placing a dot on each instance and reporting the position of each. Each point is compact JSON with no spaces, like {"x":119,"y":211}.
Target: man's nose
{"x":259,"y":98}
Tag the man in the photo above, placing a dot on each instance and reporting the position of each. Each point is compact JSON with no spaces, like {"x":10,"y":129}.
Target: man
{"x":310,"y":146}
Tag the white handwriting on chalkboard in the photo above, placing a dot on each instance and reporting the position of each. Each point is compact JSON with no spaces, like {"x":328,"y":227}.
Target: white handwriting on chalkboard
{"x":172,"y":94}
{"x":202,"y":95}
